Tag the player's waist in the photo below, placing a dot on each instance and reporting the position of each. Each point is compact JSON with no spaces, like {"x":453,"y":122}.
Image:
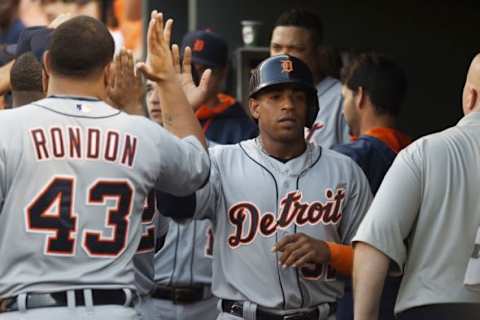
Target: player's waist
{"x":240,"y":308}
{"x":77,"y":297}
{"x":182,"y":294}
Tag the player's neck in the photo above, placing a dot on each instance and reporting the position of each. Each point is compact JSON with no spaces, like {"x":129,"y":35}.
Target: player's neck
{"x":73,"y":87}
{"x":20,"y":98}
{"x":284,"y":150}
{"x":373,"y":122}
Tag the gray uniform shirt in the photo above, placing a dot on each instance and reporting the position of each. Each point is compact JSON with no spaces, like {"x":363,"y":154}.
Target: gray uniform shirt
{"x":74,"y":175}
{"x":154,"y":226}
{"x":330,"y":127}
{"x":186,"y":257}
{"x":426,"y":214}
{"x":255,"y":200}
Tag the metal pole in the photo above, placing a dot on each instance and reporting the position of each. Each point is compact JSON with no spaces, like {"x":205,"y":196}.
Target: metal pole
{"x":192,"y":15}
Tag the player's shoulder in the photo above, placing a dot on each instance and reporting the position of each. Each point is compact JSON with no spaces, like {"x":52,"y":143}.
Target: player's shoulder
{"x":14,"y":117}
{"x":364,"y":147}
{"x":341,"y":162}
{"x":141,"y":124}
{"x":329,"y":87}
{"x":224,"y":150}
{"x":431,"y":144}
{"x":334,"y":156}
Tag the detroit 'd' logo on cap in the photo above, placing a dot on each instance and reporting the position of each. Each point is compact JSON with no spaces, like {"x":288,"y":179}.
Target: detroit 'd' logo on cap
{"x":198,"y":45}
{"x":287,"y":66}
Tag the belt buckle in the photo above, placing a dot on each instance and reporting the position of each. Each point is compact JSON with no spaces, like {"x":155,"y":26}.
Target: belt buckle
{"x":236,"y":309}
{"x":182,"y":296}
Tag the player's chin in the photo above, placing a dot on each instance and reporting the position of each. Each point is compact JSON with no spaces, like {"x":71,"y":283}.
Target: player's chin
{"x":290,"y":134}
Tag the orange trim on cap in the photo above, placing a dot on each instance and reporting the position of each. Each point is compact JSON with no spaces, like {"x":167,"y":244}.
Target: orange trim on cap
{"x":204,"y":112}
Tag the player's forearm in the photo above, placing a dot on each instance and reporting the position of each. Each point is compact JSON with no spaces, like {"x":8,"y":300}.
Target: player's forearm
{"x":177,"y":114}
{"x":370,"y":268}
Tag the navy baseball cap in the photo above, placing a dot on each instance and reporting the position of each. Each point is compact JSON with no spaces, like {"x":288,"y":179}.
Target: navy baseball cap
{"x":208,"y":48}
{"x":34,"y":39}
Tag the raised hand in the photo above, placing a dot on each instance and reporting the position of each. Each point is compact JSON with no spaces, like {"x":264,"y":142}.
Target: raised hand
{"x":159,"y":64}
{"x":196,"y":95}
{"x":125,"y":89}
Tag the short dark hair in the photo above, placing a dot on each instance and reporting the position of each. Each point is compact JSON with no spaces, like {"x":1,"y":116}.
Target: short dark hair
{"x":80,"y":47}
{"x":304,"y":19}
{"x":26,"y":74}
{"x":381,"y":78}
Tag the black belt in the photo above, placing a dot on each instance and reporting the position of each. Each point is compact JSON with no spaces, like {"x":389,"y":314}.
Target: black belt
{"x":181,"y":295}
{"x":59,"y":299}
{"x":236,"y":308}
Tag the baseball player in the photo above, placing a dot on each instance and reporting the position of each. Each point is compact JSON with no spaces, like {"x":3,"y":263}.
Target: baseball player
{"x":299,"y":33}
{"x":74,"y":175}
{"x":26,"y":80}
{"x":223,"y":119}
{"x":429,"y":192}
{"x":374,"y":88}
{"x":281,"y":207}
{"x":180,"y":287}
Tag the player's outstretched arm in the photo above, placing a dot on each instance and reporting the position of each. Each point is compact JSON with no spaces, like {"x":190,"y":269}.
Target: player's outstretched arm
{"x":370,"y":268}
{"x":177,"y":114}
{"x":125,"y":89}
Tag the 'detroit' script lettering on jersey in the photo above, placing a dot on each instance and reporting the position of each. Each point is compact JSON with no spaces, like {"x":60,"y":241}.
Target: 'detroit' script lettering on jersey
{"x":248,"y":221}
{"x":84,"y":144}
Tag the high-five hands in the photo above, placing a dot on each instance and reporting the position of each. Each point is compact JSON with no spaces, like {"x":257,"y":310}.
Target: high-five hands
{"x":158,"y":66}
{"x":196,"y":95}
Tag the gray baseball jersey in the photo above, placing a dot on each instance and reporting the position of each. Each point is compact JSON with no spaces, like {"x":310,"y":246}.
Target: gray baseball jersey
{"x":255,"y":200}
{"x":426,"y":214}
{"x":74,"y":173}
{"x":154,"y":226}
{"x":186,"y":257}
{"x":330,"y":127}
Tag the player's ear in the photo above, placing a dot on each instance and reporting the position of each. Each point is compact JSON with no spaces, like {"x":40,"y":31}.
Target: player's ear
{"x":45,"y":71}
{"x":253,"y":106}
{"x":471,"y":98}
{"x":107,"y":73}
{"x":359,"y":98}
{"x":45,"y":78}
{"x":46,"y":59}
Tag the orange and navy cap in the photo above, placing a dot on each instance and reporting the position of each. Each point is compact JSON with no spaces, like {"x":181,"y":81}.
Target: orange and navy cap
{"x":208,"y":48}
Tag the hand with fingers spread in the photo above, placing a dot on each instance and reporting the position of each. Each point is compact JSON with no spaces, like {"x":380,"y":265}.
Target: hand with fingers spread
{"x":299,"y":249}
{"x":158,"y":66}
{"x":196,"y":95}
{"x":125,"y":89}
